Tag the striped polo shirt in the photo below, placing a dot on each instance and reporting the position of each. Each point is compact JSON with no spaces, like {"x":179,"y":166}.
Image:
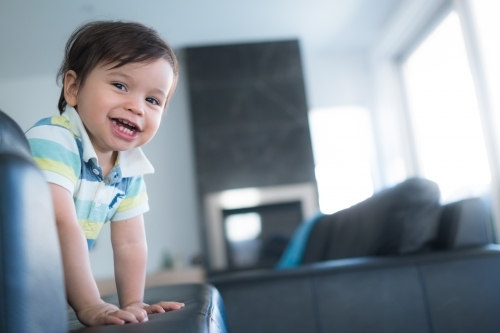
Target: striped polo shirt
{"x":62,"y":149}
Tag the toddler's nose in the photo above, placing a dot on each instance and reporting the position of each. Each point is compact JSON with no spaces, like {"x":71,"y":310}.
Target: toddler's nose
{"x":135,"y":105}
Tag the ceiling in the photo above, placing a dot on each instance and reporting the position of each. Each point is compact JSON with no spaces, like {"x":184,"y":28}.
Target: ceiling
{"x":33,"y":33}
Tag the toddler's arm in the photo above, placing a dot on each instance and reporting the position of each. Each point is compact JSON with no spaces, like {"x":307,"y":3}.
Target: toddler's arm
{"x":82,"y":292}
{"x":130,"y":256}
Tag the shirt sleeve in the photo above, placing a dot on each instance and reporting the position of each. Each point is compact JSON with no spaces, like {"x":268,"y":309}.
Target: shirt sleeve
{"x":135,"y":202}
{"x":55,"y":151}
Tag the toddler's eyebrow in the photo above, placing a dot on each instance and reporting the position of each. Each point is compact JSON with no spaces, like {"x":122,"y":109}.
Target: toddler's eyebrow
{"x":160,"y":92}
{"x":123,"y":74}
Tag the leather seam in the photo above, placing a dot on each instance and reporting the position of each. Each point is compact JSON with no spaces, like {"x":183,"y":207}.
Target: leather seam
{"x":427,"y":305}
{"x":210,"y":318}
{"x":317,"y":315}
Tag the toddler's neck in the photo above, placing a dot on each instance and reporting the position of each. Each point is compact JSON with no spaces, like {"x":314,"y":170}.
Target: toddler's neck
{"x":107,"y":161}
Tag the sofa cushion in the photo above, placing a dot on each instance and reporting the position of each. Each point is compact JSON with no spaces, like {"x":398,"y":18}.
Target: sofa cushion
{"x":399,"y":220}
{"x":464,"y":223}
{"x":462,"y":290}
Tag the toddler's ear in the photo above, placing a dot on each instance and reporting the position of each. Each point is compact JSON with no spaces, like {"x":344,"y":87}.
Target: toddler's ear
{"x":70,"y":88}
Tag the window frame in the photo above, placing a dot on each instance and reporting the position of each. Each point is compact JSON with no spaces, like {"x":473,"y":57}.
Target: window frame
{"x":413,"y":22}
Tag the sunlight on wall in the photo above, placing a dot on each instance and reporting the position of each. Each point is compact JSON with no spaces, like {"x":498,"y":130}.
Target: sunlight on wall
{"x":242,"y":232}
{"x":444,"y":112}
{"x":243,"y":227}
{"x":239,"y":198}
{"x":342,"y":146}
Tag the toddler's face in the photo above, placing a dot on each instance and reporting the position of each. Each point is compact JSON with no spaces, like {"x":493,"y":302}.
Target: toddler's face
{"x":121,"y":108}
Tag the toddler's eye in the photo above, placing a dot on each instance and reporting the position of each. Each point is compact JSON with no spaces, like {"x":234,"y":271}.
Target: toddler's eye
{"x":119,"y":86}
{"x":152,"y":101}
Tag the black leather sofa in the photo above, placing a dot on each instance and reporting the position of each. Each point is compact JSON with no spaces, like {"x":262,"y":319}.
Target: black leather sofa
{"x":32,"y":294}
{"x":435,"y":273}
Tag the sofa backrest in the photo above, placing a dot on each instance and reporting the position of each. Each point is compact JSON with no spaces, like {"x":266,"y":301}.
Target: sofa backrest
{"x":399,"y":220}
{"x":32,"y":297}
{"x":464,"y":223}
{"x":404,"y":219}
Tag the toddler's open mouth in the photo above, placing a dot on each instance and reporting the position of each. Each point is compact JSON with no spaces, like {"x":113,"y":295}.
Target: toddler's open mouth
{"x":126,"y":126}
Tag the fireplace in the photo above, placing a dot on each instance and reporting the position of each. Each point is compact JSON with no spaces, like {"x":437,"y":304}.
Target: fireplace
{"x":250,"y":227}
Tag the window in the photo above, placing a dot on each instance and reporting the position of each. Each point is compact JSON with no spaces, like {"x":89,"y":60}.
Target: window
{"x":485,"y":16}
{"x":342,"y":145}
{"x":444,"y":113}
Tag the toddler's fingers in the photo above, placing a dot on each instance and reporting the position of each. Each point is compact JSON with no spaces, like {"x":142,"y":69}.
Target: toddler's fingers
{"x":140,"y":314}
{"x":110,"y":320}
{"x":127,"y":316}
{"x":171,"y":305}
{"x":155,"y":308}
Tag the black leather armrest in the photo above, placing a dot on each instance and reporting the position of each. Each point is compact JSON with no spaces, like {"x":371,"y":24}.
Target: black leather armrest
{"x":32,"y":297}
{"x":204,"y":312}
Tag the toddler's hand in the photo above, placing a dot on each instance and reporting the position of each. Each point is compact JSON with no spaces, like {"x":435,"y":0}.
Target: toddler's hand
{"x":105,"y":314}
{"x":137,"y":309}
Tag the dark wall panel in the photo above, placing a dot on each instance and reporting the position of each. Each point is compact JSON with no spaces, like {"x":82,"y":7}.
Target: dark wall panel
{"x":249,"y":115}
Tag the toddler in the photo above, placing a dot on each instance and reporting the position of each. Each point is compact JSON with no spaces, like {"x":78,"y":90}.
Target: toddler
{"x":117,"y":79}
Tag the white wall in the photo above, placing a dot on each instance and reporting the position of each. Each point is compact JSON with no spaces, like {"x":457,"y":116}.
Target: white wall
{"x":336,"y":77}
{"x":28,"y":99}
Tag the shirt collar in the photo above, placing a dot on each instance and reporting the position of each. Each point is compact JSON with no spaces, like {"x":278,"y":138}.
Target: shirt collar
{"x":133,"y":162}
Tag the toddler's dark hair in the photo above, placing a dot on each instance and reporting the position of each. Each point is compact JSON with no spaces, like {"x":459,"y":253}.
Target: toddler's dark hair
{"x":105,"y":42}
